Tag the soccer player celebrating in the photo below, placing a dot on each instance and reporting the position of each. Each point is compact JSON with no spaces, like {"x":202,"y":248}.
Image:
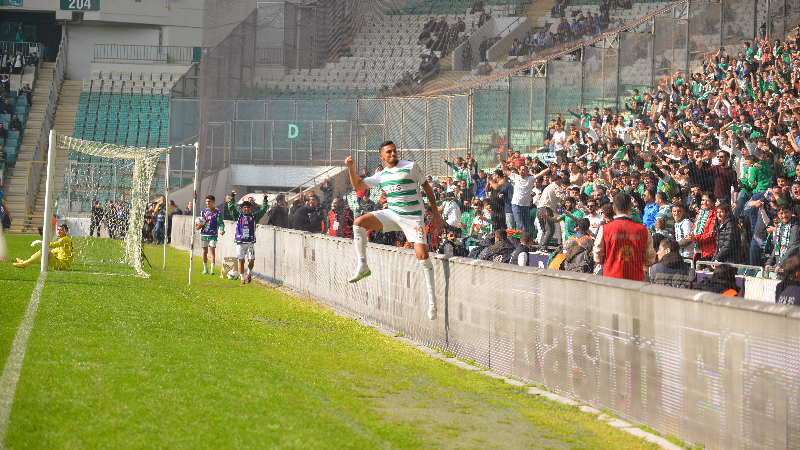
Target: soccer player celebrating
{"x":208,"y":232}
{"x":59,"y":258}
{"x":401,"y":181}
{"x":245,"y":236}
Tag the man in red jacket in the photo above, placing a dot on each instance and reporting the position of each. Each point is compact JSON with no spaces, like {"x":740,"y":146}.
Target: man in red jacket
{"x":340,"y":219}
{"x":623,"y":246}
{"x":704,"y":232}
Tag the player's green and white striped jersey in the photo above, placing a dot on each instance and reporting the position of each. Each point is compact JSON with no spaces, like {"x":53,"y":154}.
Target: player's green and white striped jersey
{"x":401,"y":184}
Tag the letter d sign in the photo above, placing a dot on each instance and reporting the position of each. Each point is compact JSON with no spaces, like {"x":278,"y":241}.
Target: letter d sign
{"x":293,"y":131}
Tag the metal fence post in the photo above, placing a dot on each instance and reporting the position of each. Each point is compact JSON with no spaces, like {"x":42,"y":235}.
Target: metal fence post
{"x":508,"y":114}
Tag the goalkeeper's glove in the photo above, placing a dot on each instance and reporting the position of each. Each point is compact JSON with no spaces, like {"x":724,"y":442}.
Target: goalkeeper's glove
{"x":35,"y":243}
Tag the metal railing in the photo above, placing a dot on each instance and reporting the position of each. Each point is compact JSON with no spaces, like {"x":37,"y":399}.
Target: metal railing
{"x":153,"y":53}
{"x":310,"y":183}
{"x":36,"y":166}
{"x":33,"y":175}
{"x":762,"y":272}
{"x":271,"y":56}
{"x":26,"y":47}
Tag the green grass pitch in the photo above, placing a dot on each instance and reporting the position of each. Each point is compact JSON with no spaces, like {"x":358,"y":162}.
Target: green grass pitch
{"x":124,"y":362}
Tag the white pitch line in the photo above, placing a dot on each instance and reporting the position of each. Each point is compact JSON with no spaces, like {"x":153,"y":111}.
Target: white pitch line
{"x":10,"y":377}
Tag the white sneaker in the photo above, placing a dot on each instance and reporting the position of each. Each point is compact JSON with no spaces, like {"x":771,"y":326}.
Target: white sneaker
{"x":359,"y":274}
{"x":431,"y":309}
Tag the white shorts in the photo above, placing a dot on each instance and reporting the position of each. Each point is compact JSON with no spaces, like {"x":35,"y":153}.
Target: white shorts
{"x":208,"y":243}
{"x":412,"y":226}
{"x":245,"y":251}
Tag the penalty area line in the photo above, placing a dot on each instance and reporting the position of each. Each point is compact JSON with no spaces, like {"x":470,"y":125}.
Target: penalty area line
{"x":13,"y":367}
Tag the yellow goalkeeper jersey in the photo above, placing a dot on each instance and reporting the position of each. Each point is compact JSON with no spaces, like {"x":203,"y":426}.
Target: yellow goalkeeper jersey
{"x":62,"y":249}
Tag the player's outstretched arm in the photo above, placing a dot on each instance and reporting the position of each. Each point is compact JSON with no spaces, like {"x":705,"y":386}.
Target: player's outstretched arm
{"x":232,"y":206}
{"x":263,"y":210}
{"x":503,"y":165}
{"x":355,"y":180}
{"x":436,"y":219}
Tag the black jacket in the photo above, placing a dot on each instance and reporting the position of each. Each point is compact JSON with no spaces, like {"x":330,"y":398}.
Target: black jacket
{"x":327,"y":194}
{"x":729,"y":242}
{"x":278,"y":216}
{"x":672,"y":271}
{"x":298,"y":217}
{"x":317,"y":220}
{"x":712,"y":285}
{"x":787,"y":292}
{"x":794,"y":245}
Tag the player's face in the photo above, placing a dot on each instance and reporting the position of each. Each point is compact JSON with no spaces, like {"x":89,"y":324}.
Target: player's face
{"x":61,"y":232}
{"x":389,"y":155}
{"x":246,"y":209}
{"x":209,"y":203}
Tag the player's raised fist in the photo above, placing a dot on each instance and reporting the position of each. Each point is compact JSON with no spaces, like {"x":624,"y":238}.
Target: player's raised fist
{"x":349,"y":162}
{"x":233,"y":192}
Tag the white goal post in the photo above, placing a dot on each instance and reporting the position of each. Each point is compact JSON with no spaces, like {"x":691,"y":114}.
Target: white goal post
{"x":122,"y":254}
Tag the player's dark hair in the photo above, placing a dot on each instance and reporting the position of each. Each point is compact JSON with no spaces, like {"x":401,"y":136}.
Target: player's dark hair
{"x":526,"y":237}
{"x":622,"y":203}
{"x":247,"y":203}
{"x":65,"y":226}
{"x":210,"y":197}
{"x":384,"y":144}
{"x":670,"y":244}
{"x":583,"y":225}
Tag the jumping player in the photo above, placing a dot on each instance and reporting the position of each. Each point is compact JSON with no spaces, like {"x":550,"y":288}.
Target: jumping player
{"x":401,"y":181}
{"x":208,"y":232}
{"x":245,"y":236}
{"x":59,"y":258}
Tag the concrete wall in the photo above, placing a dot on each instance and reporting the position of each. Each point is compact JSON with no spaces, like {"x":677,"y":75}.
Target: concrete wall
{"x":130,"y":22}
{"x":712,"y":370}
{"x":83,"y":37}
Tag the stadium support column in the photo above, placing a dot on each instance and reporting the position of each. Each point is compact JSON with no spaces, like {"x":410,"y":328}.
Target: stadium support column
{"x":48,"y":201}
{"x":508,"y":114}
{"x":168,"y":229}
{"x":470,"y":105}
{"x":194,"y":206}
{"x":688,"y":30}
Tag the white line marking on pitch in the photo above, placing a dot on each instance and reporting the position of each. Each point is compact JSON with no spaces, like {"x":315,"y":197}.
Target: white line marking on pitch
{"x":10,"y":377}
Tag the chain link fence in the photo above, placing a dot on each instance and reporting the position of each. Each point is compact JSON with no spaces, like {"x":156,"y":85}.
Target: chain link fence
{"x":513,"y":108}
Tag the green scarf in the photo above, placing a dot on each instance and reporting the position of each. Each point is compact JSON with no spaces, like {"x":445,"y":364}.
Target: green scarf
{"x":702,"y":217}
{"x":781,"y":239}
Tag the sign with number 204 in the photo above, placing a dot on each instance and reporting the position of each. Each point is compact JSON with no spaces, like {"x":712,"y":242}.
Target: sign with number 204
{"x":80,"y":5}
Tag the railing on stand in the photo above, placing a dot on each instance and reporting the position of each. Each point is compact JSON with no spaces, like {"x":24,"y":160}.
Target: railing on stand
{"x":155,"y":53}
{"x":311,"y":182}
{"x":33,"y":175}
{"x":760,"y":271}
{"x":36,"y":168}
{"x":26,"y":47}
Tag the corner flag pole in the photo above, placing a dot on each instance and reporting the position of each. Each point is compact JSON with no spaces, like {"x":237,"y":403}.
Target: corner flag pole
{"x":167,"y":226}
{"x":194,"y":206}
{"x":48,"y":201}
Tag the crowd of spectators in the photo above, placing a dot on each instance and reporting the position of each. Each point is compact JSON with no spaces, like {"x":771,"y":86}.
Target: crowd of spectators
{"x":569,"y":32}
{"x":113,"y":217}
{"x":709,"y":160}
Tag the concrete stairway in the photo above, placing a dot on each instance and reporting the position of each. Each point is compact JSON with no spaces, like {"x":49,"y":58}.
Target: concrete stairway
{"x":16,"y":186}
{"x":537,"y":9}
{"x":445,"y":79}
{"x":63,"y":123}
{"x":68,"y":101}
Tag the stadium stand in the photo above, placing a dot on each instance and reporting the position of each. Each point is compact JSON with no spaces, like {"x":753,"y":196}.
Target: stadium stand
{"x":122,"y":108}
{"x":454,"y":7}
{"x":364,"y":68}
{"x":19,"y":108}
{"x":125,"y":108}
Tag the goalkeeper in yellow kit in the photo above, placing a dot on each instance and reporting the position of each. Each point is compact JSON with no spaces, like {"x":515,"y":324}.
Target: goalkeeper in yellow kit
{"x":60,"y":255}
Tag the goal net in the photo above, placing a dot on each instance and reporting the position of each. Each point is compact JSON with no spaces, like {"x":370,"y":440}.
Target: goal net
{"x":103,"y":199}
